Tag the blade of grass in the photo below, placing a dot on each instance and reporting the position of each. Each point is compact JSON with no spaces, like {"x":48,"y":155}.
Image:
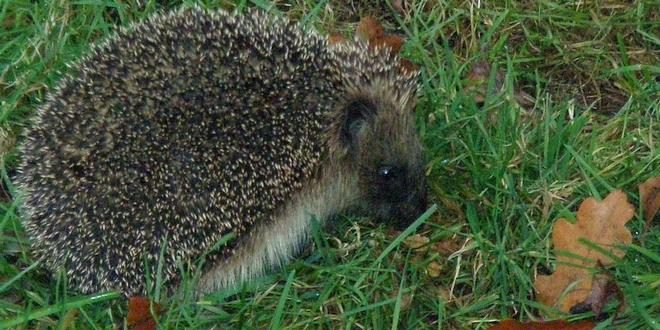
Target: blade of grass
{"x":411,"y":229}
{"x":77,"y":303}
{"x":279,"y":311}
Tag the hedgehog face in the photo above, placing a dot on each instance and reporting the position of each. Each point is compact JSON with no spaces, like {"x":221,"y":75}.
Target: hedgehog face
{"x":383,"y":142}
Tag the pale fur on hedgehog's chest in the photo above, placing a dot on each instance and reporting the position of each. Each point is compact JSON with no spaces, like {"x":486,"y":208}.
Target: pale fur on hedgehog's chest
{"x":274,"y":244}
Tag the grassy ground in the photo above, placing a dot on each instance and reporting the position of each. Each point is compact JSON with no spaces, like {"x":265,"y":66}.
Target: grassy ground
{"x":499,"y":173}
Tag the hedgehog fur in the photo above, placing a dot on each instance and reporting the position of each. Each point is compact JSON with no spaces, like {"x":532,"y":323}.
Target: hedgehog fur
{"x":196,"y":124}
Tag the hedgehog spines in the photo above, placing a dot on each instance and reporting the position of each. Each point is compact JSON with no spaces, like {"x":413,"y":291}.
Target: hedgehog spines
{"x":184,"y":128}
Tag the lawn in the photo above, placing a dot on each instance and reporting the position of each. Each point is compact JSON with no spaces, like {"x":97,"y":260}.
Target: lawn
{"x":569,"y":110}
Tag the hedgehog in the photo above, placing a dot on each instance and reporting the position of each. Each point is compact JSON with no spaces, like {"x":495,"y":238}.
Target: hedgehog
{"x":196,"y":125}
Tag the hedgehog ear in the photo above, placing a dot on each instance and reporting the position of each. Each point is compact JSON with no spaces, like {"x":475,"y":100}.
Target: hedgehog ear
{"x":356,"y":113}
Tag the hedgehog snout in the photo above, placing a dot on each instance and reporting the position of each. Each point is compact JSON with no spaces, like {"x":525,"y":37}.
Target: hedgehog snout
{"x":400,"y":207}
{"x":405,"y":213}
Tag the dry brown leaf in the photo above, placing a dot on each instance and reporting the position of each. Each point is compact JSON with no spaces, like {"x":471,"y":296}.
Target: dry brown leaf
{"x":477,"y":79}
{"x":443,"y":293}
{"x":446,"y":247}
{"x":550,"y":288}
{"x":408,"y":66}
{"x":649,"y":195}
{"x":369,"y":29}
{"x":416,"y":241}
{"x":400,"y":7}
{"x":433,"y":269}
{"x":139,"y":313}
{"x":394,"y":42}
{"x":372,"y":32}
{"x":602,"y":223}
{"x":551,"y":325}
{"x":336,"y":38}
{"x":603,"y":288}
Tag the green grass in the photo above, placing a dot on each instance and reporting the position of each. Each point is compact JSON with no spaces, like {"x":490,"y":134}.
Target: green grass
{"x":500,"y":174}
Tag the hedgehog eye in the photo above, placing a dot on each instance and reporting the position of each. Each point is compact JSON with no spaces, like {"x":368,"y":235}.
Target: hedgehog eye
{"x":386,"y":172}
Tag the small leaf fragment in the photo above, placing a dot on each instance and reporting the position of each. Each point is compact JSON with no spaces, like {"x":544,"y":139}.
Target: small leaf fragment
{"x":336,"y":38}
{"x":139,"y":313}
{"x":551,"y":325}
{"x":446,"y":247}
{"x":602,"y":289}
{"x":408,"y":66}
{"x":416,"y":241}
{"x":433,"y":269}
{"x":649,"y":196}
{"x":394,"y":42}
{"x":477,"y":80}
{"x":550,"y":289}
{"x":369,"y":29}
{"x":400,"y":7}
{"x":372,"y":32}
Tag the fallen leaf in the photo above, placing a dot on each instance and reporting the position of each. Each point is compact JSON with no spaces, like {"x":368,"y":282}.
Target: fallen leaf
{"x":446,"y":247}
{"x":551,"y":325}
{"x":408,"y":66}
{"x":372,"y":32}
{"x":336,"y":38}
{"x":400,"y":7}
{"x":443,"y":293}
{"x":394,"y":42}
{"x":551,"y":288}
{"x":477,"y":80}
{"x":480,"y":73}
{"x":433,"y":269}
{"x":369,"y":29}
{"x":139,"y":313}
{"x":602,"y":289}
{"x":602,"y":223}
{"x":416,"y":241}
{"x":649,"y":195}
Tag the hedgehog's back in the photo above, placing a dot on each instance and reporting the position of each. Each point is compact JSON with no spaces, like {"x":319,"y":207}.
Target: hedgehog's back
{"x":180,"y":129}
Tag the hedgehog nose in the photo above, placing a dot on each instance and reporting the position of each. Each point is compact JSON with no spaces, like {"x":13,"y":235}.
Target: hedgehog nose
{"x":408,"y":212}
{"x":418,"y":203}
